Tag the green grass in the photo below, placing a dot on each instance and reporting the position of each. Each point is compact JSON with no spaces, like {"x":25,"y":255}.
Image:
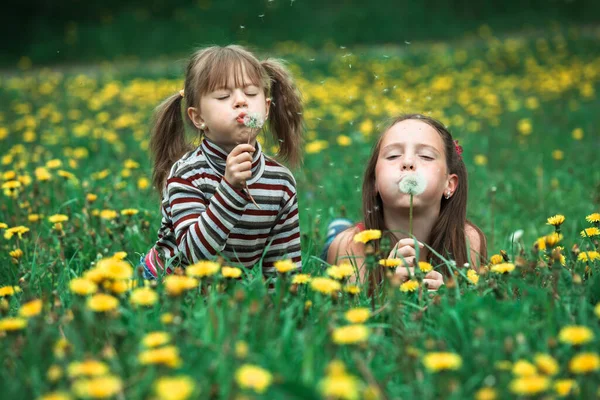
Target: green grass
{"x":95,"y":118}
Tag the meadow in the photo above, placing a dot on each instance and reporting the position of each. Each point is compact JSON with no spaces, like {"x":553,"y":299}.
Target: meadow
{"x":78,"y":210}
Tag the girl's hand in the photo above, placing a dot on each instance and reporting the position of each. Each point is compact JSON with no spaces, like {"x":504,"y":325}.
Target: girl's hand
{"x":238,"y":167}
{"x":405,"y":249}
{"x":433,"y":280}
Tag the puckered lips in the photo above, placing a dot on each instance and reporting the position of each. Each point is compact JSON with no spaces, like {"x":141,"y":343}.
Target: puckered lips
{"x":240,"y":118}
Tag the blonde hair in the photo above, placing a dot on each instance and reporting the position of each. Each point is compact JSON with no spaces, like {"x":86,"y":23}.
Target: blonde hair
{"x":208,"y":69}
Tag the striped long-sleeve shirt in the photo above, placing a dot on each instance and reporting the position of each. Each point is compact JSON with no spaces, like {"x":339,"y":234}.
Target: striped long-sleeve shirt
{"x":203,"y":216}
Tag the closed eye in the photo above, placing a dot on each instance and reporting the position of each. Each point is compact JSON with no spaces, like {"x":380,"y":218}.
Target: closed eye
{"x":392,"y":157}
{"x":223,"y":97}
{"x":428,"y":158}
{"x":251,"y":94}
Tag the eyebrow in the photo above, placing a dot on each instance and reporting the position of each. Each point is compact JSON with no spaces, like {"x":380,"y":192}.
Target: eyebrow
{"x":229,"y":87}
{"x":420,"y":145}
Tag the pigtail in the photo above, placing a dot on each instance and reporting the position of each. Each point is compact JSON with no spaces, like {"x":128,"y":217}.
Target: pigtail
{"x":286,"y":114}
{"x":167,"y":143}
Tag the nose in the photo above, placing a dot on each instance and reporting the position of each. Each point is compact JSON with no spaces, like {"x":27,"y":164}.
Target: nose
{"x":240,"y":99}
{"x":408,"y":163}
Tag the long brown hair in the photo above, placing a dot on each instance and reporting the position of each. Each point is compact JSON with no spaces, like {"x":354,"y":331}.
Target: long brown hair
{"x":208,"y":69}
{"x":448,"y":233}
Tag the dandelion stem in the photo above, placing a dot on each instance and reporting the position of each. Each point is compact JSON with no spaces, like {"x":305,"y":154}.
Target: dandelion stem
{"x":410,"y":216}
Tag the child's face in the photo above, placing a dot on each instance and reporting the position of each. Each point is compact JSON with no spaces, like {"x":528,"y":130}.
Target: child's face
{"x":221,"y":109}
{"x":407,"y":147}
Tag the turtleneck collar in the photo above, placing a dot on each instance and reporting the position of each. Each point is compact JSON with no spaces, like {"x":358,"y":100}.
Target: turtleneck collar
{"x":217,"y":159}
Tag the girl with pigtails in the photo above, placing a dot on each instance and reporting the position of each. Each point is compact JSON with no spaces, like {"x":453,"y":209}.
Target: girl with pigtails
{"x":227,"y":198}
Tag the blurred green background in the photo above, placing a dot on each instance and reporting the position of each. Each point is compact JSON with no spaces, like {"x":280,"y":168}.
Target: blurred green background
{"x":49,"y":32}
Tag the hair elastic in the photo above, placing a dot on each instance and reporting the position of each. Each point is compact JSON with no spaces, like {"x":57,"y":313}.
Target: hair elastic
{"x":458,"y":148}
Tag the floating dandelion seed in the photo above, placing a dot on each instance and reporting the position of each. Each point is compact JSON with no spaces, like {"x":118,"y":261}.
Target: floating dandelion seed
{"x":413,"y":184}
{"x":253,"y":120}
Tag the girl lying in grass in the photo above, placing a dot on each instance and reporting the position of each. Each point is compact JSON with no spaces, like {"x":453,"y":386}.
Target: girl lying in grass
{"x":415,"y":177}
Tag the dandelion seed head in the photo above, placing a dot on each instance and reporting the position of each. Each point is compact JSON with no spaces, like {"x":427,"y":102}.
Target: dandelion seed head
{"x":413,"y":184}
{"x":253,"y":120}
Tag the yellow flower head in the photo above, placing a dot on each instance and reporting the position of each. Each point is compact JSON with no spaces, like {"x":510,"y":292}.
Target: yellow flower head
{"x":82,"y":286}
{"x":338,"y":384}
{"x":155,"y":339}
{"x":523,"y":368}
{"x":496,"y":259}
{"x":12,"y":324}
{"x":129,"y":211}
{"x":352,"y":289}
{"x":486,"y":393}
{"x":546,"y":364}
{"x":9,"y":290}
{"x":231,"y":272}
{"x":565,"y":387}
{"x":472,"y":276}
{"x":108,"y":214}
{"x":556,"y":220}
{"x":425,"y":266}
{"x":583,"y":363}
{"x":367,"y":235}
{"x":167,"y":356}
{"x":325,"y":285}
{"x":120,"y":255}
{"x":529,"y":385}
{"x":101,"y":302}
{"x":174,"y":387}
{"x":241,"y":349}
{"x":350,"y":334}
{"x":409,"y":286}
{"x":357,"y":315}
{"x":589,"y":232}
{"x":175,"y":285}
{"x":435,"y":362}
{"x":100,"y":387}
{"x":575,"y":335}
{"x":390,"y":262}
{"x":284,"y":266}
{"x":56,"y":218}
{"x":253,"y":377}
{"x":593,"y":218}
{"x":87,"y":368}
{"x":503,"y":268}
{"x":202,"y":269}
{"x":301,"y":279}
{"x":113,"y":268}
{"x":17,"y":230}
{"x":340,"y":272}
{"x":31,"y":308}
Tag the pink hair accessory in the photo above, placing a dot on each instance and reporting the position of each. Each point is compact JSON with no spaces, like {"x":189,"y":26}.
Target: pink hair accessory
{"x":458,"y":148}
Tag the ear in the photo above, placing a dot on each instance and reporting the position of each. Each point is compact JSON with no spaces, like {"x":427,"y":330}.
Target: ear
{"x":268,"y":105}
{"x":195,"y":116}
{"x":452,"y":184}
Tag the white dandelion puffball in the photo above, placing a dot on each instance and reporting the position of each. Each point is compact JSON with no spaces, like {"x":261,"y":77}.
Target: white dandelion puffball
{"x":413,"y":184}
{"x":253,"y":120}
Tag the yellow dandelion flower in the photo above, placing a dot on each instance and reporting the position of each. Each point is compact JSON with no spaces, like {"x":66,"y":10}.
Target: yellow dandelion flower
{"x":10,"y":324}
{"x":108,"y":214}
{"x":546,"y":364}
{"x":129,"y":211}
{"x":91,"y":197}
{"x":593,"y":218}
{"x":17,"y":230}
{"x":367,"y":235}
{"x":241,"y":349}
{"x":352,"y":289}
{"x":588,"y":256}
{"x":175,"y":285}
{"x":524,"y":126}
{"x":31,"y":308}
{"x":202,"y":269}
{"x":174,"y":387}
{"x":9,"y":290}
{"x":87,"y":368}
{"x":60,"y":348}
{"x":101,"y":387}
{"x":529,"y":385}
{"x":57,"y":218}
{"x":486,"y":393}
{"x":325,"y":285}
{"x":114,"y":268}
{"x":167,"y":356}
{"x":56,"y":396}
{"x":316,"y":146}
{"x":284,"y":266}
{"x":231,"y":272}
{"x":338,"y":384}
{"x":597,"y":310}
{"x":357,"y":315}
{"x":54,"y":373}
{"x":589,"y":232}
{"x":390,"y":262}
{"x":503,"y":268}
{"x":556,"y":220}
{"x":156,"y":339}
{"x":82,"y":286}
{"x":565,"y":387}
{"x":253,"y":377}
{"x":53,"y":164}
{"x":301,"y":279}
{"x":167,"y":318}
{"x":575,"y":335}
{"x":523,"y":368}
{"x":144,"y":296}
{"x":577,"y":134}
{"x":558,"y":154}
{"x":409,"y":286}
{"x":344,"y":140}
{"x":350,"y":334}
{"x":441,"y":361}
{"x":119,"y":255}
{"x":16,"y":254}
{"x":101,"y":302}
{"x":130,"y":164}
{"x":496,"y":259}
{"x":583,"y":363}
{"x":472,"y":276}
{"x":425,"y":266}
{"x":480,"y":160}
{"x":340,"y":272}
